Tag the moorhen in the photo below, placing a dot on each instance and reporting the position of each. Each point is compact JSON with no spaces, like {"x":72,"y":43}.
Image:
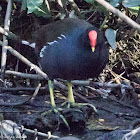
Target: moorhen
{"x":70,"y":49}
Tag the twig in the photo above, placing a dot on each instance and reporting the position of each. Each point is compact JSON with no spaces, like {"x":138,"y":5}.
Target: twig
{"x":16,"y":89}
{"x":15,"y":103}
{"x":61,"y":7}
{"x":48,"y":6}
{"x":117,"y":76}
{"x":78,"y":82}
{"x":129,"y":135}
{"x":60,"y":3}
{"x":74,"y":82}
{"x":91,"y":16}
{"x":103,"y":94}
{"x":132,"y":31}
{"x":119,"y":14}
{"x":112,"y":85}
{"x":27,"y":62}
{"x":21,"y":89}
{"x":38,"y":133}
{"x":35,"y":93}
{"x":62,"y":86}
{"x":9,"y":34}
{"x":104,"y":22}
{"x":23,"y":75}
{"x":11,"y":129}
{"x":75,"y":7}
{"x":5,"y":41}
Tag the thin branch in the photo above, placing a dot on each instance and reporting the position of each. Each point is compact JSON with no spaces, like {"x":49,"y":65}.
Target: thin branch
{"x":5,"y":41}
{"x":74,"y":82}
{"x":16,"y":89}
{"x":48,"y":6}
{"x":9,"y":34}
{"x":111,"y":85}
{"x":27,"y":62}
{"x":62,"y":86}
{"x":23,"y":75}
{"x":132,"y":133}
{"x":75,"y":7}
{"x":35,"y":92}
{"x":38,"y":133}
{"x":60,"y":3}
{"x":20,"y":102}
{"x":119,"y":14}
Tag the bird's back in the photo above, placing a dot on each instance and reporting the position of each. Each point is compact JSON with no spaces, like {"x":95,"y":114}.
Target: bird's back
{"x":64,"y":50}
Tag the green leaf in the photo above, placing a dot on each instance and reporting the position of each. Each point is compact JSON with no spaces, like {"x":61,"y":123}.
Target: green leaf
{"x":135,"y":9}
{"x":110,"y":35}
{"x":33,"y":5}
{"x":115,"y":3}
{"x":90,"y":1}
{"x":42,"y":10}
{"x":101,"y":8}
{"x":131,"y":3}
{"x":17,"y":0}
{"x":24,"y":5}
{"x":0,"y":8}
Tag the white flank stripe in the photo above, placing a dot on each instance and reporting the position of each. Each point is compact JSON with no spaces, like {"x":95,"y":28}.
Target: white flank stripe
{"x":27,"y":43}
{"x":59,"y":37}
{"x":55,"y":41}
{"x":63,"y":35}
{"x":32,"y":45}
{"x":42,"y":51}
{"x":50,"y":43}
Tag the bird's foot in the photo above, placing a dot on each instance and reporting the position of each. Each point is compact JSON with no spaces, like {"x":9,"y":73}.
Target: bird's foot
{"x":84,"y":104}
{"x":79,"y":105}
{"x":58,"y":113}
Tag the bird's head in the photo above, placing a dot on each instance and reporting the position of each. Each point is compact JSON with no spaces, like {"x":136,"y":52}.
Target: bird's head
{"x":93,"y":39}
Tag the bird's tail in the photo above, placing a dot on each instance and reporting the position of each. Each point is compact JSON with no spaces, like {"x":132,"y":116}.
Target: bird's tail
{"x":14,"y":37}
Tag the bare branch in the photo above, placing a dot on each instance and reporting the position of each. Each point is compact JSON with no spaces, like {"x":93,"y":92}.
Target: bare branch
{"x":132,"y":133}
{"x":48,"y":6}
{"x":38,"y":133}
{"x":119,"y":14}
{"x":23,"y":75}
{"x":5,"y":41}
{"x":75,"y":7}
{"x":9,"y":34}
{"x":27,"y":62}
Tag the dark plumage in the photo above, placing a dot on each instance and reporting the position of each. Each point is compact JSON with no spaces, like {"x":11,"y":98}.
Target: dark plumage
{"x":70,"y":49}
{"x":65,"y":50}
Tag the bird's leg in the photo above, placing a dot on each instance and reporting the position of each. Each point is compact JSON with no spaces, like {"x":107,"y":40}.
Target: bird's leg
{"x":51,"y":89}
{"x":70,"y":94}
{"x":71,"y":100}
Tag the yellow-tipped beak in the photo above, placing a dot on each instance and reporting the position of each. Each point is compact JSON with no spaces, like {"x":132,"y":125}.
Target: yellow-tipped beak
{"x":93,"y":49}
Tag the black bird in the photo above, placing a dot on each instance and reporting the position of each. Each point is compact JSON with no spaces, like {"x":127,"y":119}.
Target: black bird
{"x":70,"y":49}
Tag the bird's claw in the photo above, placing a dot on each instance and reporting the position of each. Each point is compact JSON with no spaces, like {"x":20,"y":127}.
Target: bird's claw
{"x":84,"y":104}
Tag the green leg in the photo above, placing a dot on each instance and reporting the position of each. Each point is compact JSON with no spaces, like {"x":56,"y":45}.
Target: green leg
{"x":50,"y":84}
{"x":72,"y":101}
{"x":70,"y":93}
{"x":51,"y":89}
